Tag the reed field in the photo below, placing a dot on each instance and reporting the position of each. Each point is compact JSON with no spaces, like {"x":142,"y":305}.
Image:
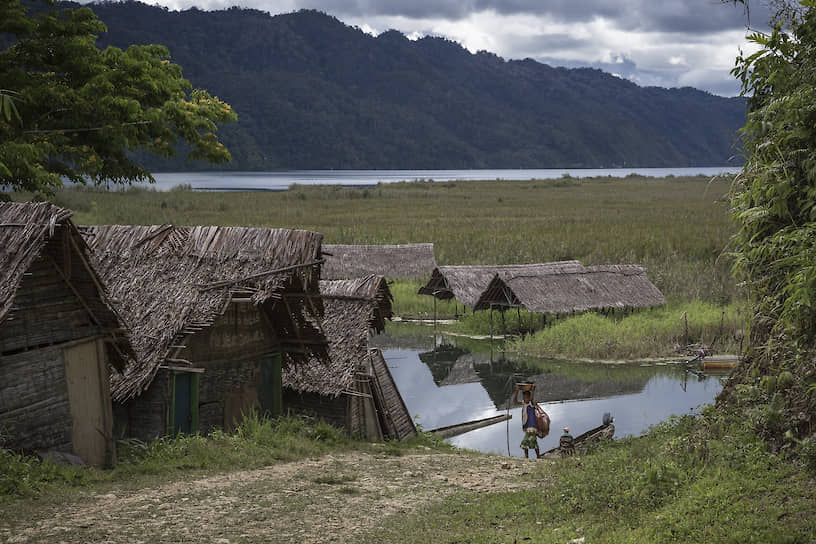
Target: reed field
{"x":678,"y":228}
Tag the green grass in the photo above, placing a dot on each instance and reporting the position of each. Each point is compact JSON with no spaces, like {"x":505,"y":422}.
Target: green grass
{"x":705,"y":479}
{"x":649,"y":333}
{"x":257,"y":442}
{"x":676,"y":227}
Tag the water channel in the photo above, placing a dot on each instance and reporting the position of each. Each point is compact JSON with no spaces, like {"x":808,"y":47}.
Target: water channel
{"x":446,"y":380}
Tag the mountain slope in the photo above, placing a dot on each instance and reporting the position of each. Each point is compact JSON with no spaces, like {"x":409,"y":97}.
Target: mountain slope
{"x":313,"y":93}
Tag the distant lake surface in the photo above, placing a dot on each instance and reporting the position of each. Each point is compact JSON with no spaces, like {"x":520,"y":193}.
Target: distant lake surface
{"x":280,"y":181}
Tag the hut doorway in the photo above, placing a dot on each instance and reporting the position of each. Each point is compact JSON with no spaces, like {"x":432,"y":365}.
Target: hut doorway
{"x":270,"y":394}
{"x":184,"y":406}
{"x":86,"y":379}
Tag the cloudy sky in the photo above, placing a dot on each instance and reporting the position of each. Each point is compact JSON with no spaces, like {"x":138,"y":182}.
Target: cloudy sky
{"x":670,"y":43}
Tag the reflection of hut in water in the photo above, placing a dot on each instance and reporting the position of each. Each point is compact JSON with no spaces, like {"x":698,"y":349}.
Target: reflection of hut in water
{"x":355,"y":390}
{"x":441,"y":360}
{"x":391,"y":261}
{"x":211,"y":312}
{"x":545,"y":288}
{"x":58,"y":334}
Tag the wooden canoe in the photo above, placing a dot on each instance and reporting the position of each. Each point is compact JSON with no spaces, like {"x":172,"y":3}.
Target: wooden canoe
{"x":601,"y":431}
{"x":462,"y":428}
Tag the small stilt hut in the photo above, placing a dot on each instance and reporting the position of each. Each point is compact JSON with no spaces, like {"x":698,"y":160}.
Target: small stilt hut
{"x":546,"y":288}
{"x":391,"y":260}
{"x":355,"y":391}
{"x":58,"y":334}
{"x":212,"y":312}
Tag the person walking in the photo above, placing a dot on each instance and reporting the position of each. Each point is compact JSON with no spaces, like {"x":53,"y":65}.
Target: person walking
{"x":529,"y":421}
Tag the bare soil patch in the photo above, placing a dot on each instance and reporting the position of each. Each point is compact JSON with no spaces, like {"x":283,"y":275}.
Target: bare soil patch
{"x":328,"y":499}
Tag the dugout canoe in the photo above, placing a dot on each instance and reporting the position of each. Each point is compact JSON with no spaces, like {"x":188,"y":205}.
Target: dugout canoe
{"x":462,"y":428}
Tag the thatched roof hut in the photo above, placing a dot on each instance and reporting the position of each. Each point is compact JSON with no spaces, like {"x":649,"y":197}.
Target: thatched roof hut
{"x":58,"y":333}
{"x":557,"y":290}
{"x":392,"y":261}
{"x":172,"y":282}
{"x":468,"y":284}
{"x":558,"y":287}
{"x":352,"y":390}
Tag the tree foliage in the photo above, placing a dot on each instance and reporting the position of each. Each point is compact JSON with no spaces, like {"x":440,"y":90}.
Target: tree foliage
{"x":775,"y":207}
{"x":70,"y":110}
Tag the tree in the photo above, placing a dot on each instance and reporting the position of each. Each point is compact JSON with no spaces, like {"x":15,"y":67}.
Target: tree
{"x":71,"y":110}
{"x":774,"y":204}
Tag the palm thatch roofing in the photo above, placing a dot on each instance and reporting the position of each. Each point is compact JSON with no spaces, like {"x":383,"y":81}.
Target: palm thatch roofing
{"x":574,"y":290}
{"x":352,"y":308}
{"x":391,"y":261}
{"x":170,"y":282}
{"x":558,"y":287}
{"x":468,"y":284}
{"x":31,"y":231}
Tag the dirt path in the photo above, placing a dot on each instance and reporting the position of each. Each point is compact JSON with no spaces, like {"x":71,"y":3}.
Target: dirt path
{"x":317,"y":500}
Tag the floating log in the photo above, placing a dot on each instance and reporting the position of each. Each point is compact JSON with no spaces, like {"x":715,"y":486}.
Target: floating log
{"x":462,"y":428}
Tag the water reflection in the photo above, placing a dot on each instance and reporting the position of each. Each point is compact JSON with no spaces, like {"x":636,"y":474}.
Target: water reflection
{"x":445,"y":381}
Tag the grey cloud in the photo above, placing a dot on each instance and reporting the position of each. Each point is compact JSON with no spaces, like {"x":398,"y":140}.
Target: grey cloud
{"x":715,"y":82}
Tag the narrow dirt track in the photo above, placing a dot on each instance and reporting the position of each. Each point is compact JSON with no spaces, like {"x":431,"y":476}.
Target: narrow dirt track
{"x":315,"y":500}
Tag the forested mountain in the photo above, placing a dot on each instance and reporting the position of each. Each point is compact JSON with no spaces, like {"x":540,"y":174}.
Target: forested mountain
{"x":313,"y":93}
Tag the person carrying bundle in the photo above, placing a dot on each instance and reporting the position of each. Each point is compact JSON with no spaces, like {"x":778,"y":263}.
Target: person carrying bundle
{"x":534,"y":421}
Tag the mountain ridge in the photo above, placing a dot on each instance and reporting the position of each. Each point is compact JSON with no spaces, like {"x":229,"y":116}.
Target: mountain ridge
{"x":314,"y":93}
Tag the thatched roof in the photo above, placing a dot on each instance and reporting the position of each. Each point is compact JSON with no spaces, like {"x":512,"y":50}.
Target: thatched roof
{"x":577,"y":289}
{"x":29,"y":231}
{"x":468,"y":283}
{"x":170,"y":282}
{"x":391,"y":261}
{"x":352,"y":308}
{"x":558,"y":287}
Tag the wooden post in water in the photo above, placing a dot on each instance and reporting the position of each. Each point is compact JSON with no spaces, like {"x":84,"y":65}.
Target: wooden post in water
{"x":434,"y":318}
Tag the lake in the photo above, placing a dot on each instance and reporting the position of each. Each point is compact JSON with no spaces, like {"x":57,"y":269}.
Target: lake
{"x":279,"y":181}
{"x":444,"y":384}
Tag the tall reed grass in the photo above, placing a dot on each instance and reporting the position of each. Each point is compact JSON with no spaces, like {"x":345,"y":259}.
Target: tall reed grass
{"x":677,"y":227}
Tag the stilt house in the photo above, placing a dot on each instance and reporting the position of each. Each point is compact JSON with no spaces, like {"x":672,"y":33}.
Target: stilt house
{"x":545,"y":288}
{"x":58,"y":334}
{"x":212,"y":311}
{"x":355,"y":391}
{"x":392,"y":261}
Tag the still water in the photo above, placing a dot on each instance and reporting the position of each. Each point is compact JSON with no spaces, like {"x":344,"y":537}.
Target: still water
{"x":279,"y":181}
{"x":444,"y":384}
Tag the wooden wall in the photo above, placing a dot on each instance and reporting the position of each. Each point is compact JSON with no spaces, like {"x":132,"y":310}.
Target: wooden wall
{"x":34,"y":409}
{"x":46,"y":311}
{"x":145,"y":417}
{"x":332,"y":410}
{"x":47,"y":317}
{"x":231,"y":352}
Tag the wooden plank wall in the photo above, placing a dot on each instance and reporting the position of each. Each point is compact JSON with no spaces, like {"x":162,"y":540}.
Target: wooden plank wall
{"x":45,"y":312}
{"x":34,"y":408}
{"x":332,"y":410}
{"x":145,"y":417}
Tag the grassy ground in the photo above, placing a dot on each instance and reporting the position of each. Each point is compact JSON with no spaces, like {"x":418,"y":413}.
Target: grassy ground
{"x":692,"y":480}
{"x":676,"y":227}
{"x":256,"y":443}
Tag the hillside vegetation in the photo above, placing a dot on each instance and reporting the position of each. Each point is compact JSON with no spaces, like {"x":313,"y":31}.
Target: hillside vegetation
{"x":313,"y":93}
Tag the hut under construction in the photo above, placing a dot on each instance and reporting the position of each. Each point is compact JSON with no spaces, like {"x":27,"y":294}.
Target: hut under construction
{"x":546,"y":288}
{"x":212,"y":312}
{"x":355,"y":391}
{"x":58,"y":336}
{"x":392,"y":261}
